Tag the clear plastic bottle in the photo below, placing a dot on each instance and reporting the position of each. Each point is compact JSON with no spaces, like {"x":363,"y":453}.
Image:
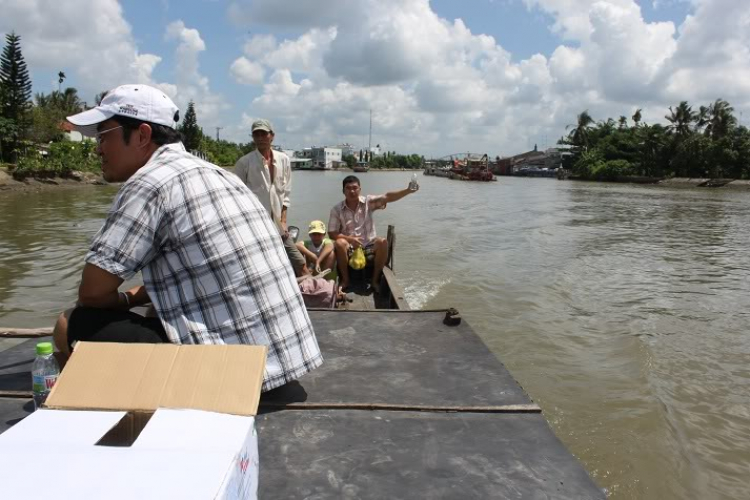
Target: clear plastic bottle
{"x":413,"y":184}
{"x":44,"y":373}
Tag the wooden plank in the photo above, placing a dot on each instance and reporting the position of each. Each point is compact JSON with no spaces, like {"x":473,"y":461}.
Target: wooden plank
{"x":16,"y":394}
{"x":514,"y":408}
{"x":397,"y":293}
{"x":27,"y":333}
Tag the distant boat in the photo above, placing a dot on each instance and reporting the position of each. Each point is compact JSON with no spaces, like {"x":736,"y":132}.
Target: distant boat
{"x":471,"y":168}
{"x":362,"y":166}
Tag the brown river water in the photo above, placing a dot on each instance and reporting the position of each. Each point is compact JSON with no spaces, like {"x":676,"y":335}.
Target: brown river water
{"x":624,"y":311}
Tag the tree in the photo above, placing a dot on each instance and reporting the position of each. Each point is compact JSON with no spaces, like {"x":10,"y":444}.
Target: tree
{"x":651,"y":148}
{"x":98,"y":98}
{"x":190,"y":131}
{"x":720,"y":119}
{"x":579,"y":135}
{"x":637,"y":116}
{"x":680,"y":119}
{"x":60,"y":79}
{"x":350,"y":160}
{"x":16,"y":88}
{"x":49,"y":113}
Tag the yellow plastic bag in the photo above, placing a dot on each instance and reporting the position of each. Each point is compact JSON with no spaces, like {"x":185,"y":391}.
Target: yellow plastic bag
{"x":357,"y":260}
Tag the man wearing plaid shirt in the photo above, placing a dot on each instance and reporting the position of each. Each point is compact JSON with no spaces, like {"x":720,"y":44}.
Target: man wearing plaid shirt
{"x":212,"y":262}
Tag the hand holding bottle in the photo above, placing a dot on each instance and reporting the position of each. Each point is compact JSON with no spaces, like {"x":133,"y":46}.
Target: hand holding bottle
{"x":413,"y":184}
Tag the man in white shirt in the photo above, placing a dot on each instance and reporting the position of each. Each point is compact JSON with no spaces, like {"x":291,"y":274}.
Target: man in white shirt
{"x":268,"y":174}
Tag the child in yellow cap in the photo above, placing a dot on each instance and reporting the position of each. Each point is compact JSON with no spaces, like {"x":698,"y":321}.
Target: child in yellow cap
{"x":318,"y":250}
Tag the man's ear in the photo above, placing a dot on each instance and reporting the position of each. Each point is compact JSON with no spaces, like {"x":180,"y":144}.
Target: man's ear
{"x":144,"y":132}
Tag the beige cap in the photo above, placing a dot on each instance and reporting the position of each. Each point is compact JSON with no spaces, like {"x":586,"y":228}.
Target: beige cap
{"x":262,"y":125}
{"x":317,"y":226}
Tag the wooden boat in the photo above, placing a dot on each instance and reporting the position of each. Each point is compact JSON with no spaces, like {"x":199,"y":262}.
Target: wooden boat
{"x":408,"y":404}
{"x":361,"y":166}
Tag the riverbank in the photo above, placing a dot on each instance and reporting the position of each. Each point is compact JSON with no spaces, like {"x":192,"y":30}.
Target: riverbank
{"x":678,"y":182}
{"x":39,"y":183}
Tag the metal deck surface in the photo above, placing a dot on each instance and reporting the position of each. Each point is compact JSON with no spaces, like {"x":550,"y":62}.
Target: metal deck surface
{"x":353,"y":429}
{"x":402,"y":358}
{"x":410,"y":455}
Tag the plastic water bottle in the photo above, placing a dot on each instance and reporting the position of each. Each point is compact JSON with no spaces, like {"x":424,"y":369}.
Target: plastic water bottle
{"x":44,"y":373}
{"x":413,"y":184}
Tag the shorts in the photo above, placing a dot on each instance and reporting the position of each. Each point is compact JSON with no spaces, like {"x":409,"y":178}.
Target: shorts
{"x":91,"y":324}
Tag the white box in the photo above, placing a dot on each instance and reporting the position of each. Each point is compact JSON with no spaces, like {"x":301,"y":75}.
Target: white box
{"x":147,"y":451}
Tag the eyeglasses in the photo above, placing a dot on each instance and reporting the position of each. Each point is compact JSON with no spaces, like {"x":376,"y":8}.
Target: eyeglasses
{"x":98,"y":135}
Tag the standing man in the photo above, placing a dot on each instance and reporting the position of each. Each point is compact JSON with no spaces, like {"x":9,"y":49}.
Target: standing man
{"x":351,"y":226}
{"x":210,"y":256}
{"x":268,"y":174}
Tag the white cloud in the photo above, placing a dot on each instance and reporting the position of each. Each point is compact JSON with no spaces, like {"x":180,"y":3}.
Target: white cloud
{"x":259,"y":45}
{"x":247,"y":72}
{"x":190,"y":83}
{"x":433,"y":84}
{"x":88,"y":39}
{"x":713,"y":54}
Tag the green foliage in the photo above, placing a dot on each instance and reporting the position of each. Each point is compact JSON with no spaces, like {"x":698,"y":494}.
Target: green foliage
{"x":350,"y":160}
{"x":60,"y":160}
{"x":49,"y":112}
{"x":15,"y":93}
{"x":222,"y":152}
{"x":392,"y":160}
{"x":191,"y":132}
{"x":611,"y":170}
{"x":706,"y":143}
{"x":579,"y":135}
{"x":587,"y":163}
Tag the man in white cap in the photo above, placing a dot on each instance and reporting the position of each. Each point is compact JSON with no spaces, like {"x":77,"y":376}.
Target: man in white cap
{"x":268,"y":174}
{"x":210,"y":257}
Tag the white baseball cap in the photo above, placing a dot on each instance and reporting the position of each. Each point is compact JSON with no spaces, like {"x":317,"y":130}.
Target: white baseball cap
{"x":140,"y":102}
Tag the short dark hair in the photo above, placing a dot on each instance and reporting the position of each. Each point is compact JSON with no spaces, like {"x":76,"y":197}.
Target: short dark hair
{"x":350,"y":179}
{"x":160,"y":134}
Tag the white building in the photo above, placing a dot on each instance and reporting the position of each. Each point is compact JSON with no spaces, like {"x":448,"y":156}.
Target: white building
{"x":348,"y":149}
{"x":325,"y":158}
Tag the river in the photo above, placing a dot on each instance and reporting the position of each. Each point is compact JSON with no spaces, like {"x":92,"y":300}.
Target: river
{"x":622,"y":310}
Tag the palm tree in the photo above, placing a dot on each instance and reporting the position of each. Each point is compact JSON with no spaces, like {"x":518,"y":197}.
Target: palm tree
{"x":42,"y":100}
{"x":60,"y":78}
{"x":680,"y":119}
{"x":622,"y":122}
{"x":579,"y":134}
{"x":720,"y":119}
{"x":69,"y":101}
{"x":650,"y":146}
{"x":701,"y":118}
{"x":98,"y":98}
{"x":637,"y":116}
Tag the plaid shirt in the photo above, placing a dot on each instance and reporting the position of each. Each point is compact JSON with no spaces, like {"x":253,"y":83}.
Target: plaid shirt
{"x":212,"y":261}
{"x":357,"y":222}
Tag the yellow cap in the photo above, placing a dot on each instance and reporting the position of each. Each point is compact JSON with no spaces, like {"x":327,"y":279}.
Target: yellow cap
{"x":317,"y":226}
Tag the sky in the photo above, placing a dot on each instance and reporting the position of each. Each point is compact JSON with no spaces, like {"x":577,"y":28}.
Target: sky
{"x":441,"y":76}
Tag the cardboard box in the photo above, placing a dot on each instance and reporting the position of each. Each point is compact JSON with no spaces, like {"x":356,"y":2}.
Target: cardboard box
{"x":142,"y":421}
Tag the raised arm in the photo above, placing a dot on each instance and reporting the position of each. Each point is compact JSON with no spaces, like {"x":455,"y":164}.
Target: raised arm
{"x":392,"y":196}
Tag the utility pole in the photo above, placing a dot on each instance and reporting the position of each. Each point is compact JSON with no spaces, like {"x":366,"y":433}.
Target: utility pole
{"x":369,"y":144}
{"x":217,"y":133}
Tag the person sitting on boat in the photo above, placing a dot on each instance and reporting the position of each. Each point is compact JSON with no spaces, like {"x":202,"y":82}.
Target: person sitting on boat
{"x":318,"y":250}
{"x":210,"y":255}
{"x":268,"y":174}
{"x":351,"y":226}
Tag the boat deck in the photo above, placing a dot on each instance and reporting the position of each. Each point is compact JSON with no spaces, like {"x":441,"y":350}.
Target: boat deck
{"x":403,"y":407}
